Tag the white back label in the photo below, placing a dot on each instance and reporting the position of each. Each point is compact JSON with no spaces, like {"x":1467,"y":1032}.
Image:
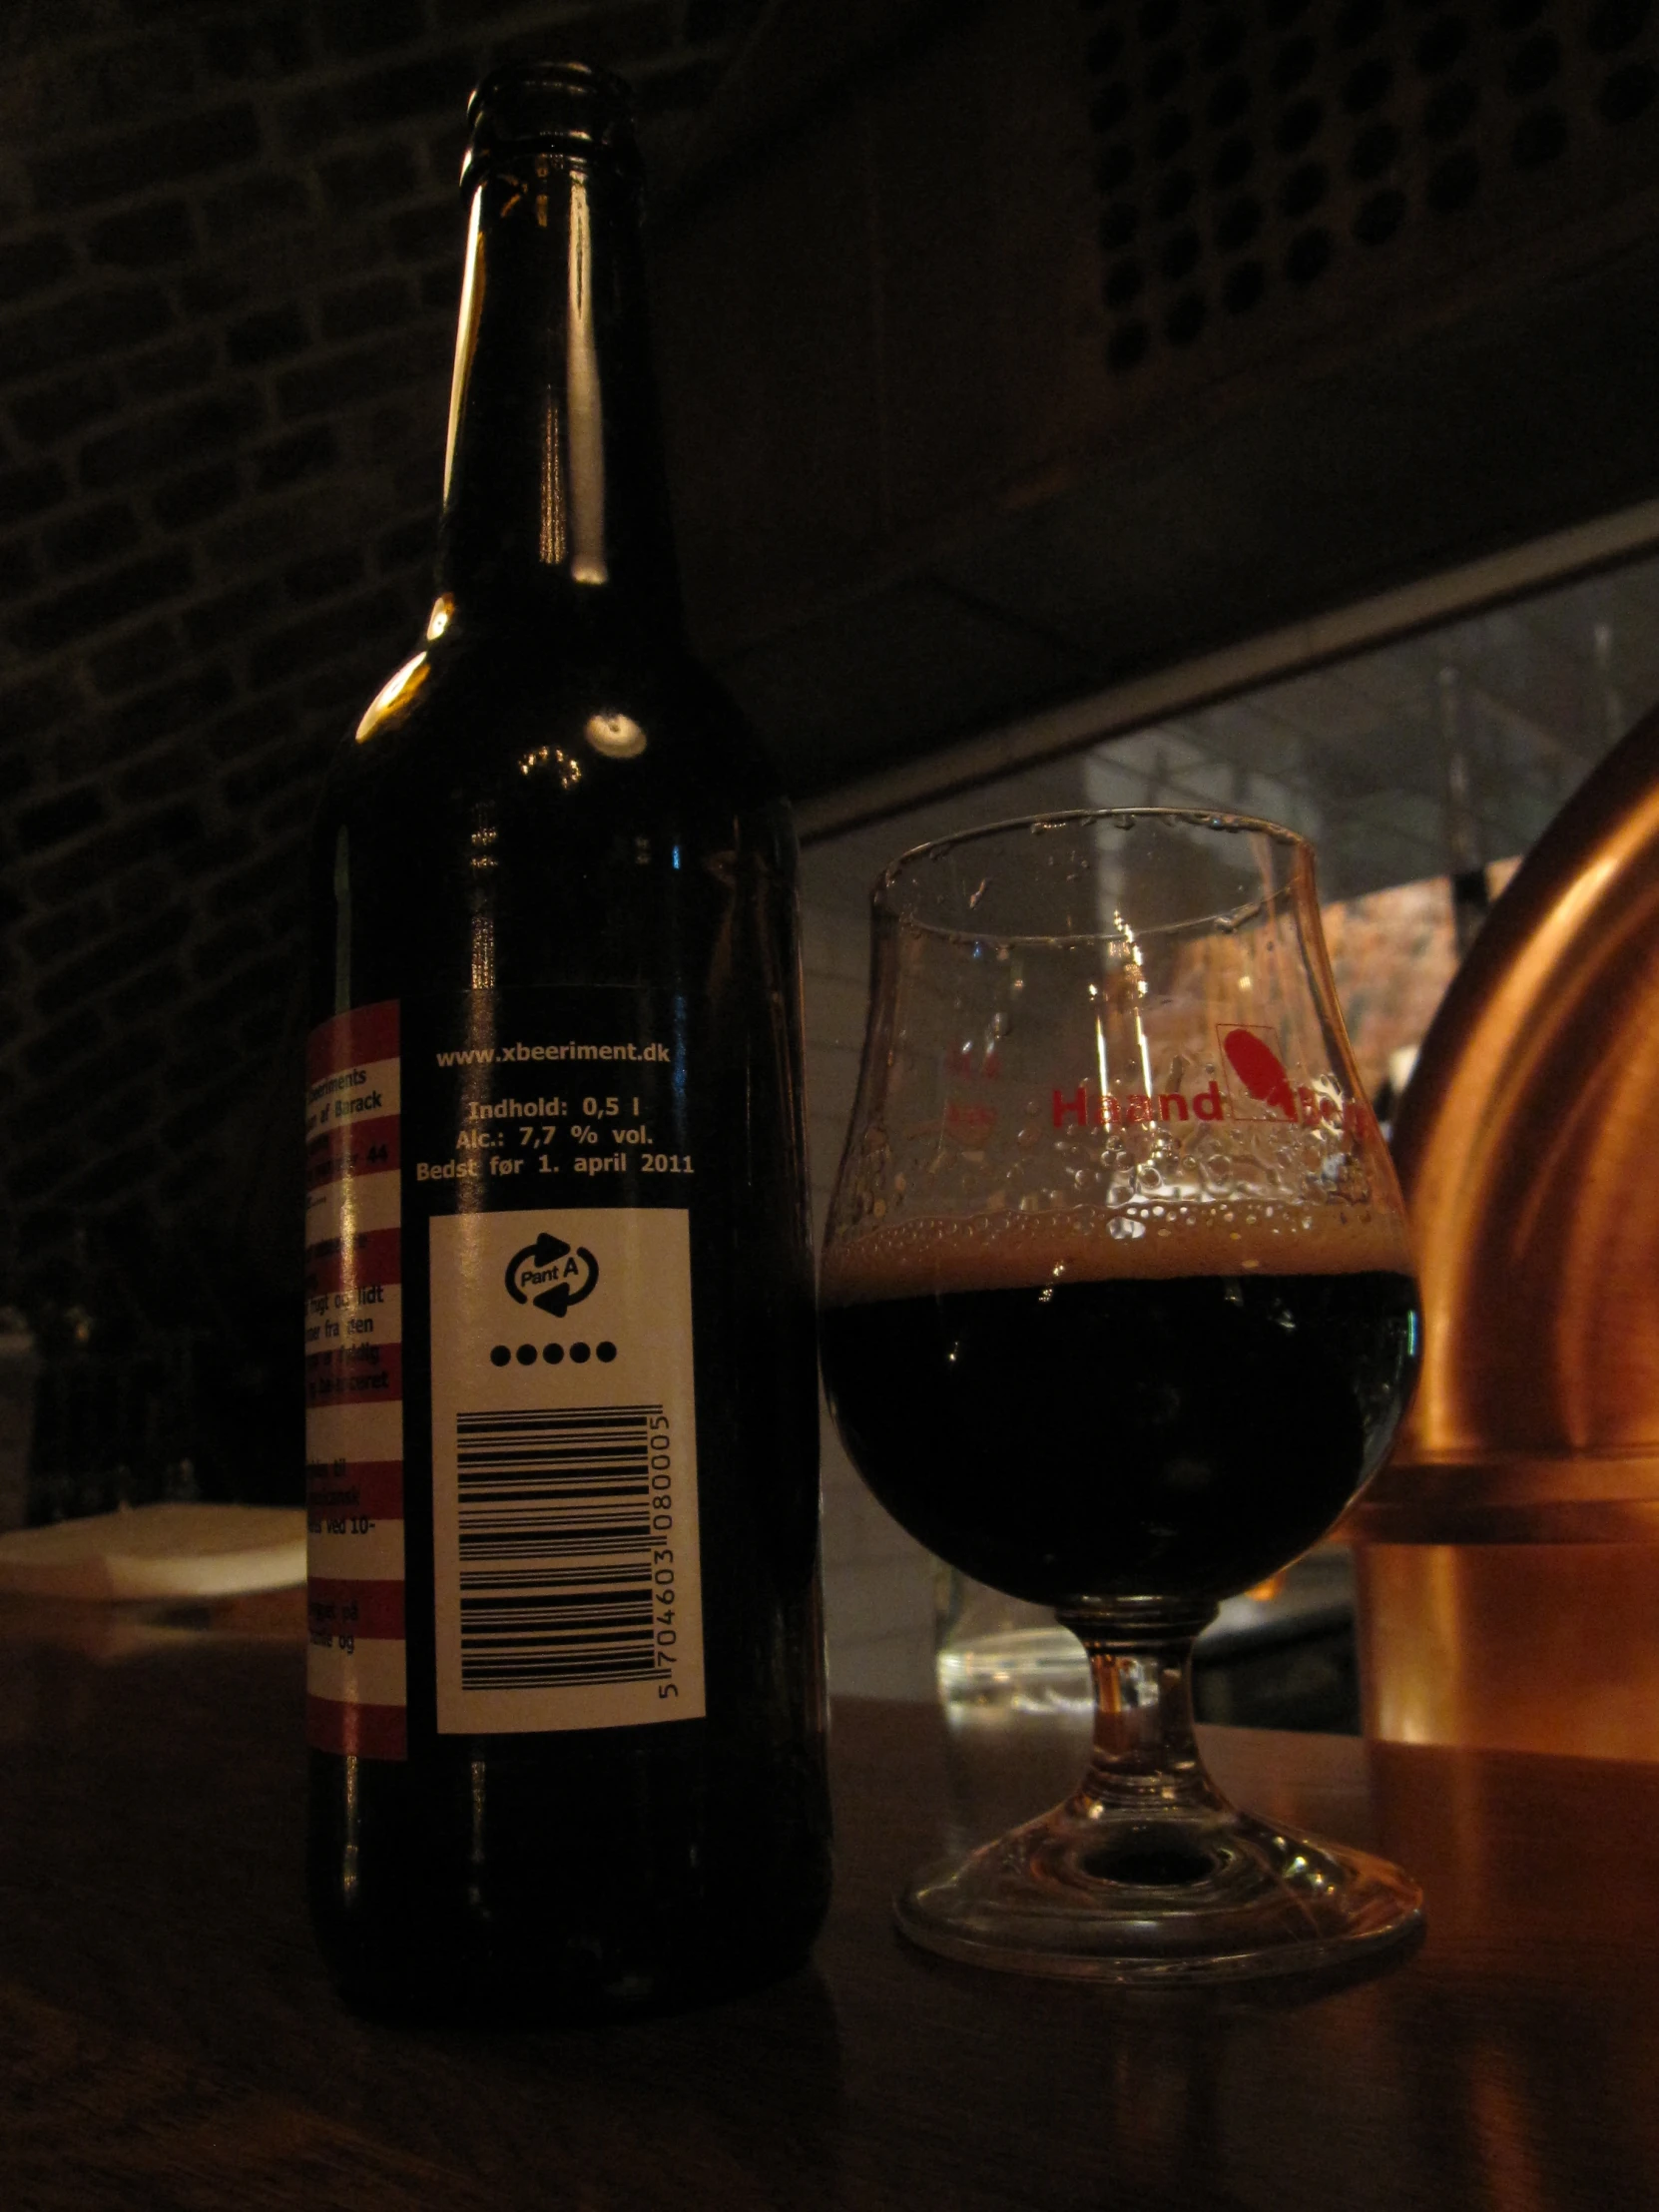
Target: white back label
{"x":564,"y":1470}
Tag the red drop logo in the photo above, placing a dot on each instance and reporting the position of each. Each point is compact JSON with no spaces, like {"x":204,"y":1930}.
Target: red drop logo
{"x":1260,"y":1070}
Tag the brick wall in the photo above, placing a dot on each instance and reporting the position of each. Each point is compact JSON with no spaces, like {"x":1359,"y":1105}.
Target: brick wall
{"x":229,"y":256}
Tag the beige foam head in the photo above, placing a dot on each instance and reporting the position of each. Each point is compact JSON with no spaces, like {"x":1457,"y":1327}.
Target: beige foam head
{"x":1010,"y":1251}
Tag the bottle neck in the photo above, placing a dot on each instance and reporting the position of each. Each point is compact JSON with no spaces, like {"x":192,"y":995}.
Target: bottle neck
{"x":555,"y":501}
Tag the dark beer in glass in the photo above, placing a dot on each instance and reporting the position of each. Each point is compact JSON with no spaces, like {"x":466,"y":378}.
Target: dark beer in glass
{"x":1117,"y":1315}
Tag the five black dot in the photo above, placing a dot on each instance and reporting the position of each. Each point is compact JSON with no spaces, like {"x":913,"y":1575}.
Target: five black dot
{"x":502,"y":1355}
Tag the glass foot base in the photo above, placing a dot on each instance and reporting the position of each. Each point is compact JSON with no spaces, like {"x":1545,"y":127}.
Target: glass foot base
{"x":1162,"y":1897}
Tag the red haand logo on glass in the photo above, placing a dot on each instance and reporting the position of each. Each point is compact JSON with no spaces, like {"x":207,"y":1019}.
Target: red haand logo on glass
{"x":1257,"y":1087}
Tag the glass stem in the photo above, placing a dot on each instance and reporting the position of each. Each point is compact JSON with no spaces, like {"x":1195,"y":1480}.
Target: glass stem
{"x":1144,"y":1757}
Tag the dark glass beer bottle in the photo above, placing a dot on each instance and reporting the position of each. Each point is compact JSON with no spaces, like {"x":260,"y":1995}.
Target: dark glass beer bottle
{"x":566,"y":1694}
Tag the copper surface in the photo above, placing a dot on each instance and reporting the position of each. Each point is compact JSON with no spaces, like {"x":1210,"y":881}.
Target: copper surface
{"x":1509,"y":1556}
{"x":1529,"y":1149}
{"x":1512,"y":1646}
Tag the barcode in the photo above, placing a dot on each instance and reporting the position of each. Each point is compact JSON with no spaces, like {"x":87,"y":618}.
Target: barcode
{"x":555,"y":1512}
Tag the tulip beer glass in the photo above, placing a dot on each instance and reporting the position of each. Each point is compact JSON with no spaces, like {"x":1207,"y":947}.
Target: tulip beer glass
{"x":1118,"y":1315}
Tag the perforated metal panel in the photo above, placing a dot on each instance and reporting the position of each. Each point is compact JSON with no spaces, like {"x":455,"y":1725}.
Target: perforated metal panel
{"x":1265,"y":160}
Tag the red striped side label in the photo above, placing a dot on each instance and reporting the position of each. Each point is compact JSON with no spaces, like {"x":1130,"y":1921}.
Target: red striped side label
{"x":364,"y":1255}
{"x":352,"y":1148}
{"x":356,"y":1674}
{"x":354,"y":1373}
{"x":369,"y":1730}
{"x":371,"y":1611}
{"x":344,"y":1488}
{"x":366,"y":1034}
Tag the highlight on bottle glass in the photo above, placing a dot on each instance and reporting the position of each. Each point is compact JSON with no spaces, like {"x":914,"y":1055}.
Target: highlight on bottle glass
{"x":1118,"y":1315}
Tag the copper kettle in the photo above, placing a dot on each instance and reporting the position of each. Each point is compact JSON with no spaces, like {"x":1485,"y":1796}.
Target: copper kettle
{"x":1508,"y":1555}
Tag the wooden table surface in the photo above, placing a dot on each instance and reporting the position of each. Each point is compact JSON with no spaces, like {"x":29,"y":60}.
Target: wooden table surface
{"x":168,"y":2038}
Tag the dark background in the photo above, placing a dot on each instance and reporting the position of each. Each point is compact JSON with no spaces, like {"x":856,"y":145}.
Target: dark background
{"x":1011,"y":349}
{"x":230,"y":259}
